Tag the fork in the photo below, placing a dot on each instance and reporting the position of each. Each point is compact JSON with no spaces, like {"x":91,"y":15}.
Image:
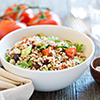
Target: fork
{"x":79,"y":25}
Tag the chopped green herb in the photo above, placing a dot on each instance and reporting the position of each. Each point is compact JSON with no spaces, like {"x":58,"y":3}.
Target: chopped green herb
{"x":57,"y":41}
{"x":25,"y":64}
{"x":64,"y":47}
{"x":19,"y":66}
{"x":78,"y":47}
{"x":30,"y":63}
{"x":42,"y":47}
{"x":69,"y":45}
{"x":68,"y":41}
{"x":40,"y":35}
{"x":61,"y":47}
{"x":34,"y":63}
{"x":46,"y":69}
{"x":82,"y":60}
{"x":47,"y":45}
{"x":53,"y":38}
{"x":58,"y":47}
{"x":8,"y":58}
{"x":49,"y":38}
{"x":51,"y":69}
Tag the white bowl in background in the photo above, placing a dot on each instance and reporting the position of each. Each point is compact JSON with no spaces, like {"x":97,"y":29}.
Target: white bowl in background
{"x":49,"y":80}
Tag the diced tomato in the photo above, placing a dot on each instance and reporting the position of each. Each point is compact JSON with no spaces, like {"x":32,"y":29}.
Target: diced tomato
{"x":26,"y":40}
{"x":46,"y":52}
{"x":22,"y":42}
{"x":63,"y":67}
{"x":71,"y":52}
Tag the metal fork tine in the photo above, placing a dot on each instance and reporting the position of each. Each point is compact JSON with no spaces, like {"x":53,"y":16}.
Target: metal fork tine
{"x":81,"y":24}
{"x":74,"y":23}
{"x":70,"y":21}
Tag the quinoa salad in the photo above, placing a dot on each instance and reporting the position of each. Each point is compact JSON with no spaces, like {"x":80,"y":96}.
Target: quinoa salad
{"x":45,"y":53}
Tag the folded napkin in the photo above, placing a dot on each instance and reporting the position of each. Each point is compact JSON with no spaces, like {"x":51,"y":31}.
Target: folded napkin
{"x":13,"y":87}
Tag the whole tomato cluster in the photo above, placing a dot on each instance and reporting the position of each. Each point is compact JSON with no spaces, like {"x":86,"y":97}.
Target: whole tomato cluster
{"x":21,"y":16}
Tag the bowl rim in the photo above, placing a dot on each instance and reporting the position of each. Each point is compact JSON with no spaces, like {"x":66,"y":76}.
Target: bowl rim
{"x":64,"y":27}
{"x":91,"y":64}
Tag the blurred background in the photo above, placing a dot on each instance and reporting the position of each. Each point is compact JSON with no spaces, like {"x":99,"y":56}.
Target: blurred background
{"x":62,"y":8}
{"x":86,"y":10}
{"x":79,"y":8}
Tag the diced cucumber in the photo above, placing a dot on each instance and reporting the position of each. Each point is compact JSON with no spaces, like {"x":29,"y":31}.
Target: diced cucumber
{"x":30,"y":63}
{"x":25,"y":63}
{"x":19,"y":66}
{"x":57,"y":41}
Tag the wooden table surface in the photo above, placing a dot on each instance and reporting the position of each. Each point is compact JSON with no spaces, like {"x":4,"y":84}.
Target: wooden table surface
{"x":85,"y":88}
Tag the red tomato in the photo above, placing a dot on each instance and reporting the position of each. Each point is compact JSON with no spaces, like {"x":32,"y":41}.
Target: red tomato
{"x":7,"y":26}
{"x":51,"y":19}
{"x":25,"y":15}
{"x":71,"y":52}
{"x":63,"y":67}
{"x":46,"y":52}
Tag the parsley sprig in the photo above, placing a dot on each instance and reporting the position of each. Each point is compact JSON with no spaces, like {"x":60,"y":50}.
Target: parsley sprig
{"x":78,"y":47}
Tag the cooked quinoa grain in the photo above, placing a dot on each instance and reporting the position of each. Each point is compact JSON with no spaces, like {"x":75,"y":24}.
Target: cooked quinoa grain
{"x":42,"y":53}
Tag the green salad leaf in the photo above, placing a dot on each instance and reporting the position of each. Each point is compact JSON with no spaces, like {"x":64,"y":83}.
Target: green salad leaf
{"x":57,"y":41}
{"x":40,"y":35}
{"x":68,"y":41}
{"x":19,"y":66}
{"x":25,"y":64}
{"x":78,"y":47}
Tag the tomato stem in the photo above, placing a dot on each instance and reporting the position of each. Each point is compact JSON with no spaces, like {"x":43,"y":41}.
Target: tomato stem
{"x":19,"y":13}
{"x":8,"y":14}
{"x":34,"y":7}
{"x":17,"y":10}
{"x":42,"y":14}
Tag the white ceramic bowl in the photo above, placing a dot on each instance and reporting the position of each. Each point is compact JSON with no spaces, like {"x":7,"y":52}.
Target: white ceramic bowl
{"x":49,"y":80}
